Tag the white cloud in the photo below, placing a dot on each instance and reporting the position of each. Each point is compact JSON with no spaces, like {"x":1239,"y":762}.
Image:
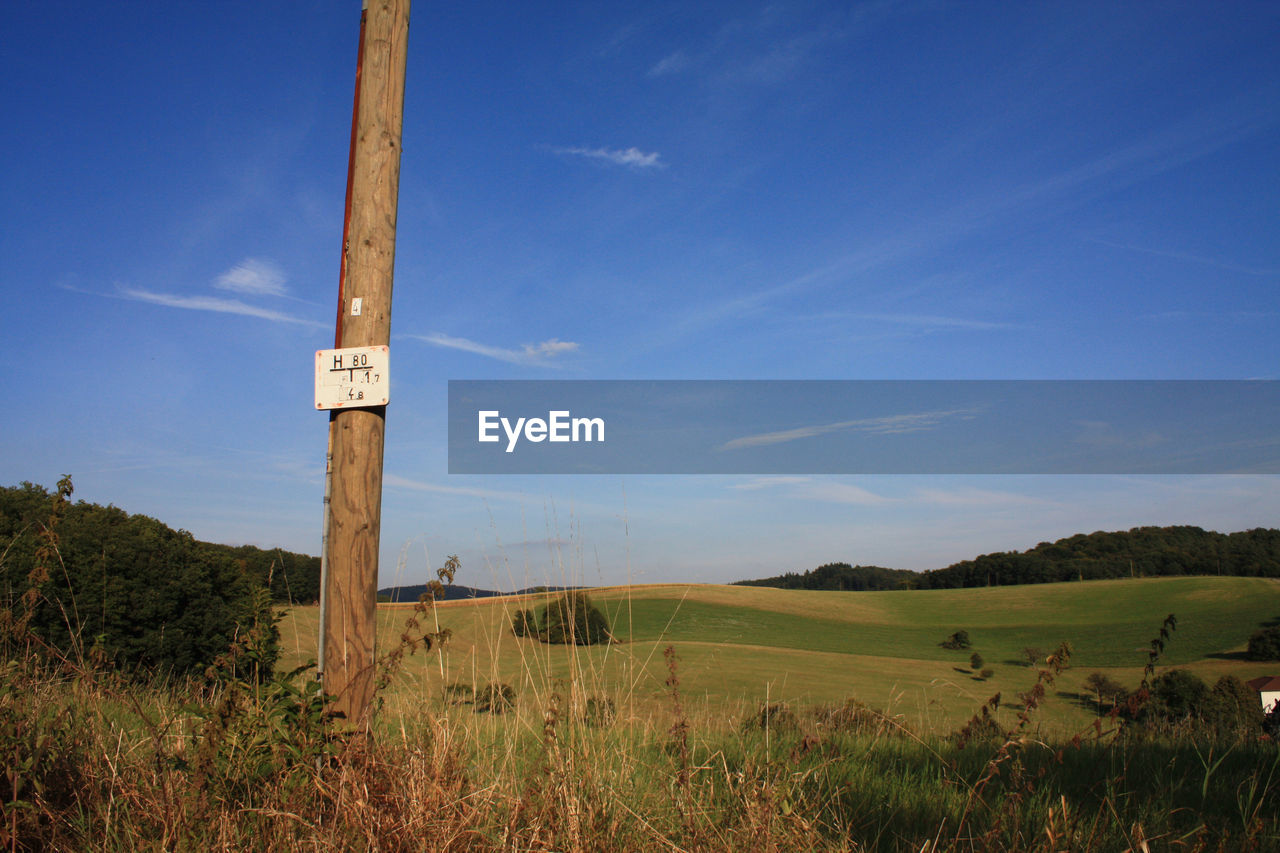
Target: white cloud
{"x":931,"y":321}
{"x":398,"y":482}
{"x":1230,"y":266}
{"x":549,"y":348}
{"x":809,"y":489}
{"x":960,"y":498}
{"x":215,"y":304}
{"x":843,"y":493}
{"x":538,"y":355}
{"x":671,"y":64}
{"x":889,"y":425}
{"x":253,"y":277}
{"x":633,"y":157}
{"x":828,"y":490}
{"x":769,"y":482}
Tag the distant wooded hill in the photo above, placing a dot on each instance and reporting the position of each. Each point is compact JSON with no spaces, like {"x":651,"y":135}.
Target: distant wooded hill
{"x":454,"y":592}
{"x":1140,"y":552}
{"x":841,"y":576}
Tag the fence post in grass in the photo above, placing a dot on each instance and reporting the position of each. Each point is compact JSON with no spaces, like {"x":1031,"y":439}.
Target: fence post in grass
{"x":364,"y":319}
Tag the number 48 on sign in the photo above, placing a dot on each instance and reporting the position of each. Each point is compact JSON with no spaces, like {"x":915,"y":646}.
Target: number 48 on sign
{"x":352,"y":377}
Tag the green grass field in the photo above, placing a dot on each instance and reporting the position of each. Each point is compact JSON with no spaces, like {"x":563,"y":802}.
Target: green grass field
{"x":102,"y":762}
{"x":740,"y":646}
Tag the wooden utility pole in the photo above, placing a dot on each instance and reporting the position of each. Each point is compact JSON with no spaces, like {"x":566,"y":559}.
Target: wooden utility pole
{"x":364,"y":319}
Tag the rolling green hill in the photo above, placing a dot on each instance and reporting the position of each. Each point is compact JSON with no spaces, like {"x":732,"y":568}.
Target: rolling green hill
{"x":738,"y":645}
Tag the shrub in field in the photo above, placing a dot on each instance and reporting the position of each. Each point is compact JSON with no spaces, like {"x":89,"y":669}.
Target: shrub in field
{"x":772,"y":715}
{"x":976,"y":661}
{"x":1176,"y":696}
{"x":1264,"y":644}
{"x":958,"y":640}
{"x":495,"y":698}
{"x":523,"y":624}
{"x":572,"y":619}
{"x":1104,"y":689}
{"x":458,"y":693}
{"x":854,"y":716}
{"x":1232,"y":707}
{"x":987,"y":673}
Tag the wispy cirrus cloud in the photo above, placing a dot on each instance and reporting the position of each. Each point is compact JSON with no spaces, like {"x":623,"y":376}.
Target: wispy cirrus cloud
{"x":537,"y":355}
{"x":966,"y":497}
{"x":888,"y":425}
{"x":631,"y":157}
{"x":1230,"y":266}
{"x":215,"y":304}
{"x":253,"y":277}
{"x":1194,"y":136}
{"x":817,"y":489}
{"x":831,"y":491}
{"x":771,"y":45}
{"x":672,"y":63}
{"x":825,"y":490}
{"x":398,"y":482}
{"x":758,"y":483}
{"x":931,"y":322}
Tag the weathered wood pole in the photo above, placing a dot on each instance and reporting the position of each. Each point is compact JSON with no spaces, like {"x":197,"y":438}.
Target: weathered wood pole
{"x":356,"y":435}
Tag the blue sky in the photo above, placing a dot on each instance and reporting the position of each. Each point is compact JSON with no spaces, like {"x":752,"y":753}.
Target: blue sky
{"x":590,"y":191}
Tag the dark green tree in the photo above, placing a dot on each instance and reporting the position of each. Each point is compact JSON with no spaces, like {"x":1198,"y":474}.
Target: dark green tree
{"x":1104,"y":689}
{"x":572,"y":619}
{"x":1232,"y":707}
{"x":522,"y":623}
{"x":1176,"y":696}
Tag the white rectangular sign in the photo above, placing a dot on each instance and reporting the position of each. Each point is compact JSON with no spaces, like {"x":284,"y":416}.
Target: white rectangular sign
{"x":352,"y":377}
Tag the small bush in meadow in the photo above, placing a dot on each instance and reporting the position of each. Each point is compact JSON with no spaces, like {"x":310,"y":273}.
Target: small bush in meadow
{"x":459,"y":693}
{"x":772,"y":715}
{"x":572,"y":619}
{"x":495,"y":698}
{"x":855,"y":717}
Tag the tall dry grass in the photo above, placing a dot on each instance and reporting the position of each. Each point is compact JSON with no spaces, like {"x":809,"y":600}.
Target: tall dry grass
{"x":568,"y":759}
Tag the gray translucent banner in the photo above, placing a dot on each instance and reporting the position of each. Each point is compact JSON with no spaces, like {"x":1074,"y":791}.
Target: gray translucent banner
{"x":864,"y":427}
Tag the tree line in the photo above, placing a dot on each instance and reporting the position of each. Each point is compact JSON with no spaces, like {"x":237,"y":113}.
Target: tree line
{"x":1137,"y":553}
{"x":1140,"y":552}
{"x":840,"y":576}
